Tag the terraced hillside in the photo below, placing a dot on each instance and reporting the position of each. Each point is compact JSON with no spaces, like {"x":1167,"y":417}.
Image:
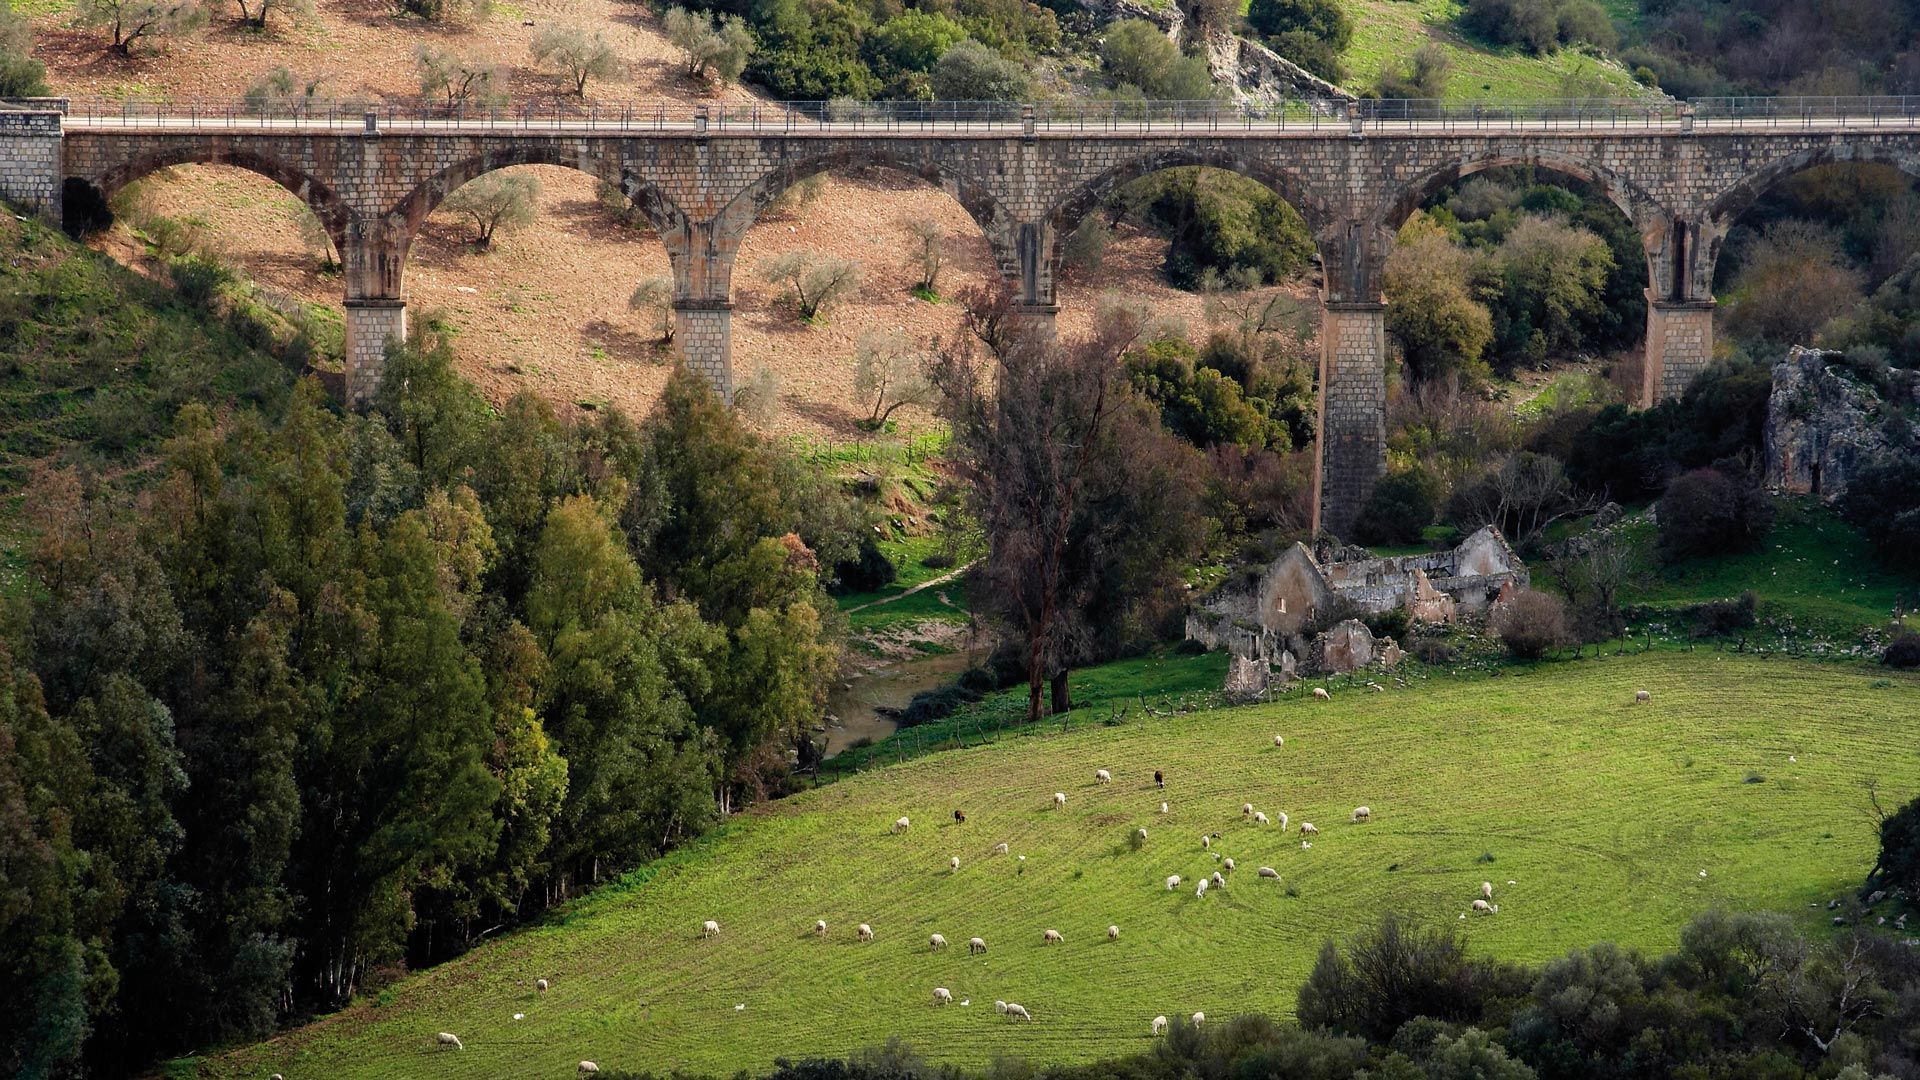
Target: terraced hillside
{"x":1741,"y":785}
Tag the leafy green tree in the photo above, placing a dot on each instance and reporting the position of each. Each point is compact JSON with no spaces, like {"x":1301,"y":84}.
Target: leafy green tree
{"x":20,"y":74}
{"x":575,"y":56}
{"x":711,"y":47}
{"x":1441,"y":328}
{"x":1554,"y":278}
{"x":1323,"y":19}
{"x":131,"y":20}
{"x":812,"y":279}
{"x":914,"y":40}
{"x":1425,"y":75}
{"x":970,"y":71}
{"x":1400,"y":508}
{"x":1138,"y":54}
{"x":495,"y":201}
{"x":436,"y":416}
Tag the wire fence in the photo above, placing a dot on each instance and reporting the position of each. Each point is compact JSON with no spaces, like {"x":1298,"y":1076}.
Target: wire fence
{"x":990,"y":117}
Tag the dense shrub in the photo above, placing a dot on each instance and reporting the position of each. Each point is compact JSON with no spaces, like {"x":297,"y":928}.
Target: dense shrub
{"x":1324,"y":19}
{"x":1720,"y":617}
{"x":1903,"y":652}
{"x":1540,"y":26}
{"x":1224,"y":228}
{"x":972,"y":72}
{"x":1199,"y":404}
{"x":1393,"y":973}
{"x":1532,"y":624}
{"x":1883,"y":499}
{"x":1401,"y":506}
{"x":872,"y":570}
{"x":1138,"y":55}
{"x":1712,"y":512}
{"x":1898,"y":866}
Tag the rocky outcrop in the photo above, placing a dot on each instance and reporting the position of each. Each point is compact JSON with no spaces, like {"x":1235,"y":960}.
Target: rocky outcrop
{"x":1823,"y":423}
{"x":1258,"y":75}
{"x":1165,"y":15}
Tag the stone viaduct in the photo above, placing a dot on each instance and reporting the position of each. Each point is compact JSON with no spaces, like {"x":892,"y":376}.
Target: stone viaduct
{"x":1681,"y":184}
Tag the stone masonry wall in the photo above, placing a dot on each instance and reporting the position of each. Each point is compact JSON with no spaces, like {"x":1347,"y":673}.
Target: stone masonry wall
{"x":30,"y":176}
{"x":704,"y":335}
{"x":1353,"y":412}
{"x":1679,"y":348}
{"x":370,"y":326}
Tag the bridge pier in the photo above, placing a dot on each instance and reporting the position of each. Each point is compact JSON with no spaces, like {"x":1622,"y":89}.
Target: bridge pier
{"x":1352,"y":426}
{"x":703,"y":332}
{"x":372,"y":324}
{"x":1679,"y":347}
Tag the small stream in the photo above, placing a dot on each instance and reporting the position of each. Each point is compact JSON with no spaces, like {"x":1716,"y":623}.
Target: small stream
{"x":891,"y":683}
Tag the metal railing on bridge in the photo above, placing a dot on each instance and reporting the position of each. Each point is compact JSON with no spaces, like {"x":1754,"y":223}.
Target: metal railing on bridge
{"x":1357,"y":117}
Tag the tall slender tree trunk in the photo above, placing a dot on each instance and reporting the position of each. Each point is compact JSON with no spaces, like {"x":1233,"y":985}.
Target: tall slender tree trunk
{"x":1062,"y":696}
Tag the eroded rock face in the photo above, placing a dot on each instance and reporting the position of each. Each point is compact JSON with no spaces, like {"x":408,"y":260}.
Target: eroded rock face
{"x":1167,"y":16}
{"x":1258,"y":74}
{"x":1824,"y":422}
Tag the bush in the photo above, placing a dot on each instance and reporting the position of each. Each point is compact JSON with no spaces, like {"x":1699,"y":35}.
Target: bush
{"x":1392,"y":974}
{"x":1138,"y":54}
{"x":1322,"y":19}
{"x":1402,"y":505}
{"x":972,"y":72}
{"x":1883,"y":499}
{"x":872,"y":570}
{"x":1220,"y":221}
{"x":1899,"y":864}
{"x":1718,"y":618}
{"x":1904,"y":652}
{"x":1425,"y":77}
{"x":1316,"y":54}
{"x":1530,"y":24}
{"x":1712,"y":512}
{"x":1531,"y":624}
{"x":20,"y":74}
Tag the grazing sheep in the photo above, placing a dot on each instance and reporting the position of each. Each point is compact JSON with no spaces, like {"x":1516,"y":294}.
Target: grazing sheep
{"x":937,"y":941}
{"x":864,"y":933}
{"x":1218,"y":881}
{"x":1102,"y":776}
{"x":1361,"y":813}
{"x":1051,"y":937}
{"x":900,"y":824}
{"x":1159,"y":1025}
{"x":1259,"y":817}
{"x":942,"y":996}
{"x":1246,"y":809}
{"x":1199,"y":1018}
{"x":953,"y":863}
{"x":1206,"y":842}
{"x":1159,"y":780}
{"x":1268,"y":871}
{"x":976,"y":945}
{"x":1307,"y":829}
{"x":1140,"y":835}
{"x":1163,"y":808}
{"x":588,"y":1067}
{"x":1113,"y":933}
{"x":1305,"y":845}
{"x":1173,"y":882}
{"x":1483,"y":906}
{"x":1486,"y":889}
{"x":1201,"y":892}
{"x":540,"y":985}
{"x":1283,"y":821}
{"x":959,"y":817}
{"x":709,"y":928}
{"x":1320,"y":694}
{"x":1641,"y":697}
{"x":1000,"y":848}
{"x":1229,"y":865}
{"x":820,"y":927}
{"x":448,"y":1038}
{"x":1018,"y":1012}
{"x":1279,"y":741}
{"x":1000,"y":1006}
{"x":1059,"y":800}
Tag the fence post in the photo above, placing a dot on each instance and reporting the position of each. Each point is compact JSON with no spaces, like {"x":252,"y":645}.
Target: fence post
{"x":700,"y":119}
{"x":1027,"y":121}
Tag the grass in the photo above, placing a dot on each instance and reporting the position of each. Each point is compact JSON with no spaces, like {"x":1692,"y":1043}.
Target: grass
{"x":1813,"y":569}
{"x":1386,"y":33}
{"x":1603,"y":813}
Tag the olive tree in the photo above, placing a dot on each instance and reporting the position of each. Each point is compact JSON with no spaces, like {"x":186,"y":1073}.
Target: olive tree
{"x":495,"y":201}
{"x":928,"y":255}
{"x":131,"y":20}
{"x":719,"y":48}
{"x":458,"y":80}
{"x":890,"y":371}
{"x":652,"y":300}
{"x":255,"y":14}
{"x":575,"y":55}
{"x":812,"y":279}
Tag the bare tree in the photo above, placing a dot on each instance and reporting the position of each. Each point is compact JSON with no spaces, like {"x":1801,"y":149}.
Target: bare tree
{"x":890,"y":371}
{"x":1086,"y":503}
{"x":1522,"y":495}
{"x":131,"y":20}
{"x":458,"y":80}
{"x":813,"y":279}
{"x":575,"y":55}
{"x":928,"y":255}
{"x":652,"y":299}
{"x":495,"y":201}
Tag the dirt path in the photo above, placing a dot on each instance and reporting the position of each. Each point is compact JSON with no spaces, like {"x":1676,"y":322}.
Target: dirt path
{"x":927,"y":584}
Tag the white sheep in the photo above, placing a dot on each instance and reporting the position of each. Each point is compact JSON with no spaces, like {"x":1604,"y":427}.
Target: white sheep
{"x":1051,"y":937}
{"x":1159,"y":1025}
{"x":540,"y":985}
{"x":865,"y":932}
{"x":1000,"y":848}
{"x":1268,"y":871}
{"x":1140,"y":835}
{"x":1201,"y":892}
{"x":1218,"y":881}
{"x":820,"y":927}
{"x":1113,"y":933}
{"x":1102,"y":776}
{"x":1246,"y":809}
{"x":1486,"y":889}
{"x":1307,"y":829}
{"x":1320,"y":694}
{"x":1163,"y":808}
{"x":1018,"y":1012}
{"x":1000,"y":1006}
{"x":976,"y":945}
{"x":1229,"y":865}
{"x":1283,"y":820}
{"x":448,"y":1038}
{"x":1306,"y":845}
{"x":953,"y":863}
{"x":588,"y":1067}
{"x":1173,"y":882}
{"x":1199,"y":1018}
{"x":1483,"y":907}
{"x":1205,"y":841}
{"x":1259,"y":817}
{"x":1362,"y":813}
{"x":942,"y":996}
{"x":937,"y":941}
{"x":709,"y":928}
{"x":1059,"y":800}
{"x":1642,"y":697}
{"x":900,"y":824}
{"x":1278,"y":741}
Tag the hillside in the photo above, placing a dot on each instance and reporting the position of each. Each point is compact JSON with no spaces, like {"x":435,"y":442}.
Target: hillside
{"x":1386,"y":32}
{"x":1742,"y":786}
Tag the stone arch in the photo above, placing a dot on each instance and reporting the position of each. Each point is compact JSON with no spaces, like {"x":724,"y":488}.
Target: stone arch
{"x":730,"y":225}
{"x":1727,"y":205}
{"x":326,"y":205}
{"x":428,"y":194}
